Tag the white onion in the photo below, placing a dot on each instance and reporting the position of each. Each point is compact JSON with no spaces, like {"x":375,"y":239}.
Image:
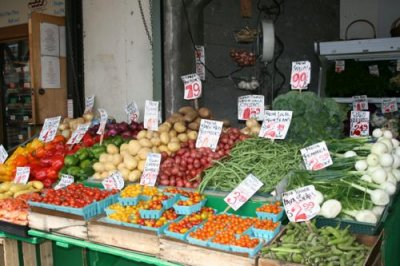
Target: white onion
{"x":361,"y":165}
{"x":373,"y":159}
{"x":388,"y":134}
{"x":377,"y":133}
{"x":349,"y":154}
{"x":385,"y":160}
{"x":379,"y":148}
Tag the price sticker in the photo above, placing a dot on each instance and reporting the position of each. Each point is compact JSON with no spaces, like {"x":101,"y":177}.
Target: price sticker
{"x":243,"y":192}
{"x":65,"y":181}
{"x":12,"y":117}
{"x":276,"y":124}
{"x":300,"y":76}
{"x":49,"y":129}
{"x":360,"y":103}
{"x":114,"y":181}
{"x":89,"y":104}
{"x":70,"y":108}
{"x":151,"y":169}
{"x":359,"y":124}
{"x":389,"y":105}
{"x":200,"y":61}
{"x":3,"y":154}
{"x":317,"y":156}
{"x":339,"y":66}
{"x":301,"y":204}
{"x":78,"y":134}
{"x":251,"y":106}
{"x":22,"y":175}
{"x":103,"y":121}
{"x":132,"y":110}
{"x":151,"y":115}
{"x":192,"y":86}
{"x":209,"y":133}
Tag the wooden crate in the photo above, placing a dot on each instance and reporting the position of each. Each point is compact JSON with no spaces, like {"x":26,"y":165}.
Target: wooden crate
{"x":137,"y":240}
{"x":58,"y":222}
{"x":184,"y":253}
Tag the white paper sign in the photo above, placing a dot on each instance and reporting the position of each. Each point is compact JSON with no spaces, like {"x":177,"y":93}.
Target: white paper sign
{"x":3,"y":154}
{"x":300,"y":76}
{"x":12,"y":117}
{"x":89,"y":104}
{"x":70,"y":108}
{"x":243,"y":192}
{"x":49,"y":39}
{"x":132,"y":110}
{"x":317,"y":156}
{"x":339,"y":66}
{"x":251,"y":106}
{"x":151,"y":115}
{"x":65,"y":181}
{"x":276,"y":124}
{"x":192,"y":86}
{"x":151,"y":169}
{"x":103,"y":121}
{"x":301,"y":204}
{"x":63,"y":42}
{"x":374,"y":70}
{"x":78,"y":134}
{"x":49,"y":129}
{"x":389,"y":105}
{"x":200,"y":61}
{"x":22,"y":175}
{"x":114,"y":181}
{"x":209,"y":133}
{"x":359,"y":124}
{"x":360,"y":103}
{"x":51,"y":77}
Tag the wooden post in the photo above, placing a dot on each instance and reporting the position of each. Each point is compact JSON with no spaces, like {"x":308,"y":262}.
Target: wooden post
{"x":11,"y":252}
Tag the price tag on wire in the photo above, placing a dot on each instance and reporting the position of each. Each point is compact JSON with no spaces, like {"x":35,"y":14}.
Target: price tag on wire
{"x":389,"y":105}
{"x":192,"y":86}
{"x":151,"y":169}
{"x":360,"y":103}
{"x":132,"y":110}
{"x":103,"y":121}
{"x":317,"y":156}
{"x":301,"y":204}
{"x":359,"y":124}
{"x":276,"y":124}
{"x":22,"y":175}
{"x":49,"y":129}
{"x":300,"y":76}
{"x":151,"y":115}
{"x":3,"y":154}
{"x":114,"y":181}
{"x":89,"y":104}
{"x":78,"y":134}
{"x":251,"y":106}
{"x":209,"y":133}
{"x":243,"y":192}
{"x":65,"y":181}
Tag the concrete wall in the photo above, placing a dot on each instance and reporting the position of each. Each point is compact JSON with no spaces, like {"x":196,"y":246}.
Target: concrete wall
{"x":117,"y":55}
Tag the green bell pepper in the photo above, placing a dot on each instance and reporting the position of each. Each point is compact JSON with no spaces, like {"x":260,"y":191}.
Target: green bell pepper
{"x":71,"y":160}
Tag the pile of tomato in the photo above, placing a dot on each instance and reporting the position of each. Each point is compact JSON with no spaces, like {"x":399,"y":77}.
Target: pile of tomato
{"x":191,"y":220}
{"x":194,"y":198}
{"x":274,"y":208}
{"x":266,"y":225}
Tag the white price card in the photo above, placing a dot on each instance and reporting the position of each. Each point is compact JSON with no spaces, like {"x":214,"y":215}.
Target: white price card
{"x":300,"y":76}
{"x":389,"y":105}
{"x":132,"y":110}
{"x":89,"y":104}
{"x":114,"y":181}
{"x":276,"y":124}
{"x":103,"y":121}
{"x":243,"y":192}
{"x":360,"y":103}
{"x":359,"y":124}
{"x":151,"y":115}
{"x":301,"y":204}
{"x":209,"y":133}
{"x":78,"y":134}
{"x":65,"y":181}
{"x":151,"y":169}
{"x":317,"y":156}
{"x":12,"y":117}
{"x":22,"y":175}
{"x":49,"y":129}
{"x":3,"y":154}
{"x":339,"y":66}
{"x":192,"y":86}
{"x":200,"y":61}
{"x":251,"y":106}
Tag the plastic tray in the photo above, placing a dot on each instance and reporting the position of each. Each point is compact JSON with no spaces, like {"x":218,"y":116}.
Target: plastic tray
{"x":103,"y":204}
{"x":266,"y":234}
{"x":129,"y":201}
{"x":251,"y":251}
{"x":186,"y":210}
{"x":220,"y":246}
{"x":197,"y":242}
{"x":158,"y":230}
{"x":270,"y":216}
{"x":151,"y":214}
{"x":171,"y":201}
{"x":179,"y":235}
{"x":109,"y":211}
{"x":86,"y":212}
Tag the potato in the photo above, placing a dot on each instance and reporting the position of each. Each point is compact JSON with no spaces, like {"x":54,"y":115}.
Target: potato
{"x":124,"y":147}
{"x":141,"y":165}
{"x":194,"y":126}
{"x":204,"y":112}
{"x":141,"y":134}
{"x":125,"y":173}
{"x":156,"y":141}
{"x":174,"y":118}
{"x":143,"y":153}
{"x":145,"y":143}
{"x":98,"y":167}
{"x":134,"y":175}
{"x":97,"y":176}
{"x":130,"y":162}
{"x":174,"y":139}
{"x":112,"y":149}
{"x":255,"y":130}
{"x":190,"y":117}
{"x":251,"y":122}
{"x":109,"y":167}
{"x":183,"y":137}
{"x":155,"y":150}
{"x":192,"y":135}
{"x":124,"y":153}
{"x":116,"y":159}
{"x":179,"y":127}
{"x":163,"y":128}
{"x":186,"y":109}
{"x":164,"y":137}
{"x":149,"y":134}
{"x":172,"y":133}
{"x":103,"y":158}
{"x":162,"y":148}
{"x":167,"y":125}
{"x":104,"y":175}
{"x":173,"y":146}
{"x":134,"y":147}
{"x":121,"y":166}
{"x":245,"y":130}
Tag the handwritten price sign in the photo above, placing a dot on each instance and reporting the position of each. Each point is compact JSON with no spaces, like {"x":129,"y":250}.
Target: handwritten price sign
{"x":359,"y":124}
{"x":316,"y":157}
{"x":89,"y":104}
{"x":78,"y":134}
{"x":151,"y":169}
{"x":192,"y":86}
{"x":49,"y":129}
{"x":301,"y":204}
{"x":151,"y":115}
{"x":251,"y":106}
{"x":301,"y":74}
{"x":22,"y":175}
{"x":3,"y":154}
{"x":209,"y":133}
{"x":243,"y":192}
{"x":389,"y":105}
{"x":65,"y":181}
{"x":360,"y":103}
{"x":103,"y":121}
{"x":276,"y":124}
{"x":132,"y":111}
{"x":114,"y":181}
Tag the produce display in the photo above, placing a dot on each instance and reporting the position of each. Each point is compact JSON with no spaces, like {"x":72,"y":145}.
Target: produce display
{"x":15,"y":210}
{"x":14,"y":190}
{"x":243,"y":58}
{"x":123,"y":129}
{"x":69,"y":125}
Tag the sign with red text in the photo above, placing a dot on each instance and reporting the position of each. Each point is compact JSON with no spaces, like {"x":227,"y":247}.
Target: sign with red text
{"x":192,"y":86}
{"x":317,"y":156}
{"x":3,"y":154}
{"x":103,"y":121}
{"x":243,"y":192}
{"x":360,"y":103}
{"x":359,"y":124}
{"x":89,"y":104}
{"x":251,"y":106}
{"x":114,"y":181}
{"x":151,"y":169}
{"x":300,"y":76}
{"x":65,"y":181}
{"x":339,"y":66}
{"x":49,"y":129}
{"x":78,"y":134}
{"x":389,"y":105}
{"x":151,"y":115}
{"x":22,"y":175}
{"x":209,"y":133}
{"x":301,"y":204}
{"x":200,"y":61}
{"x":132,"y":110}
{"x":276,"y":124}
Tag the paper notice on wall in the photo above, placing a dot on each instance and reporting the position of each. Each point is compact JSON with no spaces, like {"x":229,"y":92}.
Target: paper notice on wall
{"x":200,"y":61}
{"x":49,"y":39}
{"x":63,"y":44}
{"x":51,"y":78}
